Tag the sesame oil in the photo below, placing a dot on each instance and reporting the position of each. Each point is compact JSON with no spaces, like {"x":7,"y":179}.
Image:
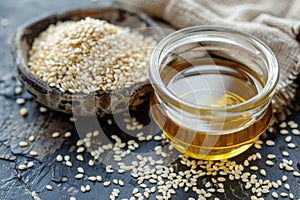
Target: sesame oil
{"x":212,"y":83}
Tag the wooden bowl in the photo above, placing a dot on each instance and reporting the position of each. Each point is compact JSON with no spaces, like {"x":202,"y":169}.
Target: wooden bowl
{"x":81,"y":104}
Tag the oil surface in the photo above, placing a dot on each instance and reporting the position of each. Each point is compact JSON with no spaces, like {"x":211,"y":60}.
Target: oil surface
{"x":213,"y":83}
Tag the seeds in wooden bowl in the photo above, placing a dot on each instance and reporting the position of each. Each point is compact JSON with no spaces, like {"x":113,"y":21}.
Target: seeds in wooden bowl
{"x":90,"y":55}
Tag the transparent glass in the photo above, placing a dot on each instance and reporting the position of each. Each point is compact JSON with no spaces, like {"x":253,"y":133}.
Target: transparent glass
{"x":213,"y":87}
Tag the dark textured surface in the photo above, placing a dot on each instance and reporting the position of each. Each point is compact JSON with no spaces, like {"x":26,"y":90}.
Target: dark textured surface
{"x":16,"y":184}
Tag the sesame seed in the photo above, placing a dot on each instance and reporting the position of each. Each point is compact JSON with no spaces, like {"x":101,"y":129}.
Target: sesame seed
{"x":270,"y":143}
{"x":49,"y":187}
{"x":284,"y":132}
{"x":67,"y":157}
{"x":263,"y":172}
{"x":72,"y":198}
{"x":297,"y":174}
{"x":67,"y":134}
{"x":254,"y":168}
{"x":109,"y":121}
{"x":18,"y":90}
{"x":79,"y":176}
{"x":22,"y":167}
{"x":23,"y":144}
{"x":69,"y":164}
{"x":55,"y":135}
{"x":82,"y":188}
{"x":287,"y":186}
{"x":99,"y":178}
{"x":269,"y":163}
{"x":31,"y":138}
{"x":92,"y":178}
{"x":80,"y":157}
{"x":275,"y":185}
{"x":291,"y":196}
{"x":20,"y":101}
{"x":220,"y":190}
{"x":106,"y":183}
{"x":87,"y":188}
{"x":275,"y":195}
{"x":291,"y":145}
{"x":59,"y":158}
{"x":271,"y":156}
{"x":30,"y":164}
{"x":135,"y":191}
{"x":283,"y":194}
{"x":33,"y":153}
{"x":257,"y":146}
{"x":80,"y":170}
{"x":80,"y":149}
{"x":43,"y":109}
{"x":285,"y":153}
{"x":23,"y":112}
{"x":288,"y":139}
{"x":284,"y":178}
{"x":295,"y":132}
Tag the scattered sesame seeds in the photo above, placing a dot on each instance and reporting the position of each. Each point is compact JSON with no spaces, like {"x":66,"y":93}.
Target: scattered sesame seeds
{"x":31,"y":138}
{"x":91,"y":163}
{"x":275,"y":195}
{"x":55,"y":134}
{"x":269,"y":163}
{"x":82,"y":188}
{"x":23,"y":111}
{"x":283,"y":194}
{"x":43,"y":109}
{"x":92,"y":178}
{"x":263,"y":172}
{"x":297,"y":174}
{"x":20,"y":101}
{"x":23,"y":144}
{"x":270,"y":143}
{"x":106,"y":183}
{"x":288,"y":139}
{"x":79,"y":176}
{"x":69,"y":163}
{"x":59,"y":158}
{"x":49,"y":187}
{"x":291,"y":145}
{"x":33,"y":153}
{"x":18,"y":90}
{"x":271,"y":156}
{"x":22,"y":167}
{"x":99,"y":178}
{"x":30,"y":164}
{"x":284,"y":178}
{"x":67,"y":134}
{"x":284,"y":132}
{"x":295,"y":132}
{"x":285,"y":153}
{"x":287,"y":186}
{"x":80,"y":170}
{"x":80,"y":157}
{"x":109,"y":121}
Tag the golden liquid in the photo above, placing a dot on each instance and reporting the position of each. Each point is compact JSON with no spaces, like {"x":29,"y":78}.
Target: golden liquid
{"x":214,"y":83}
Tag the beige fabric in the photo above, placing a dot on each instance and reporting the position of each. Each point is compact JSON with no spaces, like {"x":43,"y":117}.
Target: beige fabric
{"x":276,"y":22}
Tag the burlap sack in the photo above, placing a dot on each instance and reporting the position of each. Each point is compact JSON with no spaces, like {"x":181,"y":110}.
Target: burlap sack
{"x":276,"y":22}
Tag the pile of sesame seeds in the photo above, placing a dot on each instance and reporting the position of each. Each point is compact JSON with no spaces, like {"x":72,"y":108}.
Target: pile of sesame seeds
{"x":157,"y":178}
{"x":90,"y":55}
